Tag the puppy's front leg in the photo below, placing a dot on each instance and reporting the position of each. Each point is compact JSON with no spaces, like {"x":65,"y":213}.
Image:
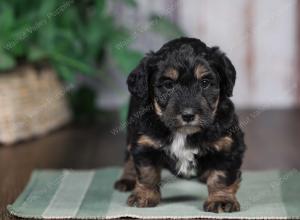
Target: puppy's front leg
{"x":222,"y":187}
{"x":147,"y":189}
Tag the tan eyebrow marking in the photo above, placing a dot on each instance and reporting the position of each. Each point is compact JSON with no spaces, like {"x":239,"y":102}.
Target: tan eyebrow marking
{"x":200,"y":71}
{"x":172,"y":73}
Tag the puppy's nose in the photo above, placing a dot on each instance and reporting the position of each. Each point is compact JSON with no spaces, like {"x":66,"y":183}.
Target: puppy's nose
{"x":188,"y":116}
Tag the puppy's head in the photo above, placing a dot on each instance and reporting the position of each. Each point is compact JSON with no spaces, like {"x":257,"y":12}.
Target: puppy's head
{"x":185,"y":82}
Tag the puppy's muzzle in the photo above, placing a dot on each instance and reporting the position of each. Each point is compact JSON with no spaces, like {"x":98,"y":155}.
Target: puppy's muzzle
{"x":188,"y":115}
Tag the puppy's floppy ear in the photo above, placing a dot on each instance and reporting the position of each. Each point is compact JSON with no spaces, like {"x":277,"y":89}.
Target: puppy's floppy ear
{"x":226,"y":70}
{"x":137,"y":80}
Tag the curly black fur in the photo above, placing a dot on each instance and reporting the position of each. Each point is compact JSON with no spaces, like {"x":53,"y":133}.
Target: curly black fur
{"x":207,"y":98}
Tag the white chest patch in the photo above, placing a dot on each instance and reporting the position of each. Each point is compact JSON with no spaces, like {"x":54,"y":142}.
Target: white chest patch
{"x":185,"y":157}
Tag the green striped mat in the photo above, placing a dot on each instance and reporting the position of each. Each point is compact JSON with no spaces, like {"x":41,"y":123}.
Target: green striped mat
{"x":90,"y":195}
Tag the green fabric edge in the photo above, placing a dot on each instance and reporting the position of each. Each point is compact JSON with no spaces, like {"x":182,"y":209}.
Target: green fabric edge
{"x":21,"y":198}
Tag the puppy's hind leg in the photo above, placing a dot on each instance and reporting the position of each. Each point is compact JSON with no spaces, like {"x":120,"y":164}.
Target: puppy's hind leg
{"x":128,"y":179}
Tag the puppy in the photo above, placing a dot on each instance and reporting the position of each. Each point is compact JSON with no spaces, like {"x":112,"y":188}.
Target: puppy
{"x":181,"y":118}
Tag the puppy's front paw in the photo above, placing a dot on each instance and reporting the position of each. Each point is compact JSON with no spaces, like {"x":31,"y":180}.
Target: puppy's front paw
{"x":124,"y":185}
{"x":219,"y":206}
{"x":144,"y":198}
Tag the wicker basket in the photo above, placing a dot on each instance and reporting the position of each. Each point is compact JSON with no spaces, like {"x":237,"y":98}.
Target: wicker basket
{"x":32,"y":103}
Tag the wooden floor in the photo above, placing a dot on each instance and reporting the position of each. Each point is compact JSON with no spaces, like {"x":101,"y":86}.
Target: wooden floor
{"x":272,"y":137}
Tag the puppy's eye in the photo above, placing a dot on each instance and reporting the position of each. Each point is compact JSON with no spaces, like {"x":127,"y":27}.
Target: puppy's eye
{"x":205,"y":83}
{"x":168,"y":84}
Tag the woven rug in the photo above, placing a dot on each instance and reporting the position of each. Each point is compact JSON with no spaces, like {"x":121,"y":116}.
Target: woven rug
{"x":90,"y":195}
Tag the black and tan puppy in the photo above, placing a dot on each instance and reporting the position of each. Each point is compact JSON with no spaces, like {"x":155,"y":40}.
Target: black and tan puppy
{"x":189,"y":127}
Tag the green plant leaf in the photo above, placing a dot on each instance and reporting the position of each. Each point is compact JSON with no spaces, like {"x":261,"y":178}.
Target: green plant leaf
{"x":165,"y":26}
{"x":71,"y":62}
{"x":47,"y":37}
{"x":36,"y":53}
{"x":95,"y":37}
{"x":126,"y":59}
{"x":130,"y":2}
{"x":65,"y":73}
{"x":6,"y":61}
{"x":48,"y":7}
{"x":6,"y":17}
{"x":100,"y":6}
